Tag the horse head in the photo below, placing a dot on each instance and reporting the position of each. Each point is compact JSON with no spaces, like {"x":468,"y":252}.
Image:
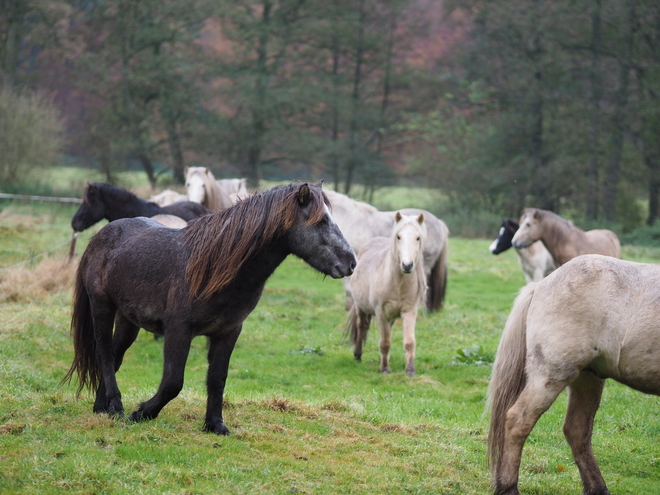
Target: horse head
{"x":315,"y":237}
{"x":197,"y":180}
{"x":507,"y":231}
{"x":409,"y":235}
{"x":530,"y":229}
{"x":91,"y":210}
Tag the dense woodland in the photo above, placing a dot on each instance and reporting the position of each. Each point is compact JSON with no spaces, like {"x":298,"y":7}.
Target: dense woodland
{"x":499,"y":105}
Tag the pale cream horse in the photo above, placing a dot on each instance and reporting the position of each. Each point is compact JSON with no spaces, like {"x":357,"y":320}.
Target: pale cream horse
{"x":168,"y":197}
{"x":202,"y":188}
{"x":564,"y":240}
{"x":235,"y":188}
{"x":389,"y":283}
{"x":361,"y":221}
{"x":596,"y":317}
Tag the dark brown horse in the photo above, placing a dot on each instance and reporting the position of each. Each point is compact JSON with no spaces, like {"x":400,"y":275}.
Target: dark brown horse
{"x":204,"y":279}
{"x":101,"y":200}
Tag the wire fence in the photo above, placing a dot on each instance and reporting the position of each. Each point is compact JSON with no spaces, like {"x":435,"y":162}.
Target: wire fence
{"x":71,"y":242}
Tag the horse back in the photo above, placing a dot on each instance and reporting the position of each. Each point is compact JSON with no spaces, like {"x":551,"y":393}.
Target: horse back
{"x":599,"y":313}
{"x":603,"y":241}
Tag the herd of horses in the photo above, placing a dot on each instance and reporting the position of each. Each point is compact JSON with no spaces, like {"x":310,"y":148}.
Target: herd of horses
{"x":584,"y":316}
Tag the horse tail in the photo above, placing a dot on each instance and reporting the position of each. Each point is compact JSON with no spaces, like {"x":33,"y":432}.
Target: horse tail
{"x":82,"y":334}
{"x":437,"y":281}
{"x":508,"y":376}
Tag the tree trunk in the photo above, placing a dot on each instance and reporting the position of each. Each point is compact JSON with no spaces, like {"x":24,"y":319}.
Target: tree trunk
{"x":353,"y":160}
{"x":613,"y":169}
{"x":595,"y":114}
{"x":176,"y":151}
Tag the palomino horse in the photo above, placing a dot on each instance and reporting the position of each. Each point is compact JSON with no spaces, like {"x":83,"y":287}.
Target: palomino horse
{"x":594,"y":318}
{"x":102,"y":200}
{"x":204,"y":279}
{"x":389,"y":283}
{"x":564,"y":240}
{"x":535,"y":260}
{"x":360,"y":221}
{"x":203,"y":189}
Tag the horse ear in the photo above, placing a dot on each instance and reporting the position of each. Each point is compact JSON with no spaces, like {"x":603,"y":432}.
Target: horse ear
{"x":397,"y":217}
{"x":537,"y":214}
{"x":420,"y":218}
{"x":319,"y":183}
{"x":304,"y":194}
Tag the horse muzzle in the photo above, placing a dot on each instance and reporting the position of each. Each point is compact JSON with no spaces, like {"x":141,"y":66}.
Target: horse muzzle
{"x":407,"y":267}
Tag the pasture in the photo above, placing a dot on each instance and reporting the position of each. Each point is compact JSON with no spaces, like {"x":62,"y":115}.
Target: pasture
{"x":305,"y":416}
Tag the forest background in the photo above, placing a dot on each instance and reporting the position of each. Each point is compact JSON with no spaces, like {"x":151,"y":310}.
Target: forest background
{"x":496,"y":105}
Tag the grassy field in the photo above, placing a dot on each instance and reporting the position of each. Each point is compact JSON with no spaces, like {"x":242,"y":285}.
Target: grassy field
{"x":304,"y":416}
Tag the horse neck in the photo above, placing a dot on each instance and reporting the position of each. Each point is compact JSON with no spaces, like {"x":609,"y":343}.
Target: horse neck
{"x":133,"y":207}
{"x":558,"y":236}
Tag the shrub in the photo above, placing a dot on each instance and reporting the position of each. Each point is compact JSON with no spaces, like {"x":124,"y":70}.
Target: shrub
{"x":30,"y":134}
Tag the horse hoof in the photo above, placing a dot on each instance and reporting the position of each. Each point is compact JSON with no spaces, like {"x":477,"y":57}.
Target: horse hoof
{"x":385,"y":371}
{"x":358,"y":357}
{"x":410,"y":371}
{"x":218,"y":429}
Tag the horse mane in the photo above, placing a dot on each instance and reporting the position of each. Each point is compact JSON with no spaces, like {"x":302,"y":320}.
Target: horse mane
{"x":223,"y":241}
{"x":112,"y":192}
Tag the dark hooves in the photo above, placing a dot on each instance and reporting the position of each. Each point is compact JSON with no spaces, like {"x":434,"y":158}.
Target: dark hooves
{"x":218,"y":429}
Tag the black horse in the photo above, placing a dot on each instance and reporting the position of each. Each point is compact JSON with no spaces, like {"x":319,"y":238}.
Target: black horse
{"x":101,"y":200}
{"x":204,"y":279}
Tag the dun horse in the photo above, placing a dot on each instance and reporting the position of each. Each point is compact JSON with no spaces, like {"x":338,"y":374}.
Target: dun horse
{"x":361,"y":221}
{"x":535,"y":260}
{"x":564,"y":240}
{"x":102,"y":200}
{"x":389,"y":283}
{"x":204,"y":279}
{"x":594,"y":318}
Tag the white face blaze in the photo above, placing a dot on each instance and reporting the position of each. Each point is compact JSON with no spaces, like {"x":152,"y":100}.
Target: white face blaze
{"x":493,"y":246}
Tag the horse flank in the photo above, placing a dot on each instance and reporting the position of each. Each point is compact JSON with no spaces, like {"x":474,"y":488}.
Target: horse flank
{"x":233,"y":235}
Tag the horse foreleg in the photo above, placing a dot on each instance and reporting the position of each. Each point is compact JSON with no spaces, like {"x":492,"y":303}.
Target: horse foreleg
{"x":175,"y":355}
{"x":408,"y":319}
{"x":220,"y":350}
{"x":385,"y":327}
{"x":108,"y":396}
{"x":535,"y":399}
{"x":124,"y":336}
{"x":583,"y":400}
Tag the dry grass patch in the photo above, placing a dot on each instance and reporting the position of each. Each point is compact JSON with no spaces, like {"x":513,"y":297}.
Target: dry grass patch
{"x":25,"y":284}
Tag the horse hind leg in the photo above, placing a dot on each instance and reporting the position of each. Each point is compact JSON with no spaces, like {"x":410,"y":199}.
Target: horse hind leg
{"x":537,"y":396}
{"x":108,"y":399}
{"x":124,"y":336}
{"x":385,"y":343}
{"x":175,"y":355}
{"x":359,"y":322}
{"x":583,"y":400}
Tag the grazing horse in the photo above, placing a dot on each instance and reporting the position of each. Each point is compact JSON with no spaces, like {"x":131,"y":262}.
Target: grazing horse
{"x":102,"y":200}
{"x":202,"y":188}
{"x":389,"y":283}
{"x":564,"y":240}
{"x":535,"y":260}
{"x":596,"y":317}
{"x":201,"y":280}
{"x":360,"y":222}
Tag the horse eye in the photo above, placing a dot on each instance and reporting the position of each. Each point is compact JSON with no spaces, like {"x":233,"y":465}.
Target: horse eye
{"x":398,"y":237}
{"x":418,"y":238}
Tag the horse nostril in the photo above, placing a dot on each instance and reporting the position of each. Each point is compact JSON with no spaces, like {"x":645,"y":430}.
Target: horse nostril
{"x":407,"y":267}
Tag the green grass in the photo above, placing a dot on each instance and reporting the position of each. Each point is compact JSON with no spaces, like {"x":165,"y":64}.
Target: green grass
{"x":304,"y":416}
